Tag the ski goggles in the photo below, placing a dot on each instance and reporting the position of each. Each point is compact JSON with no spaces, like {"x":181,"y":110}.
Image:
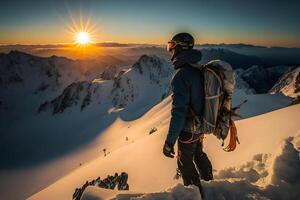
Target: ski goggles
{"x":172,"y":44}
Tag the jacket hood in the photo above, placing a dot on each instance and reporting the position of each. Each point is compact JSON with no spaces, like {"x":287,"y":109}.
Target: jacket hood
{"x":190,"y":56}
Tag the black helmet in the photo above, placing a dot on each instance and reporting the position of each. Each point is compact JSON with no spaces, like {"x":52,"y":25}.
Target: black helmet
{"x":181,"y":41}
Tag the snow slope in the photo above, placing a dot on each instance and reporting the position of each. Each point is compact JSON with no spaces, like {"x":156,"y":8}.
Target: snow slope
{"x":267,"y":176}
{"x":149,"y":171}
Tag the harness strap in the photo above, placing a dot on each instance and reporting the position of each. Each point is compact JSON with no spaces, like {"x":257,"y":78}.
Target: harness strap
{"x":215,"y":74}
{"x":192,"y":139}
{"x":208,"y":123}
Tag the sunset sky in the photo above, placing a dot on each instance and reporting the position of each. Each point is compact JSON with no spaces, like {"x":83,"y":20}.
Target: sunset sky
{"x":269,"y":22}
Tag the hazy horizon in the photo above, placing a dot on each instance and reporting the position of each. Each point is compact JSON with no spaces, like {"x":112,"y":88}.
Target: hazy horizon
{"x":123,"y":44}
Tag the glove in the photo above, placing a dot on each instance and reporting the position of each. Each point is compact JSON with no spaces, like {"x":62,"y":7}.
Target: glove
{"x":168,"y":150}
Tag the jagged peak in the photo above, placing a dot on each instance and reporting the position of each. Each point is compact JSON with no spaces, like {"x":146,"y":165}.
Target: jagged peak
{"x":17,"y":53}
{"x":148,"y":61}
{"x":288,"y":83}
{"x":20,"y":54}
{"x":55,"y":57}
{"x":145,"y":58}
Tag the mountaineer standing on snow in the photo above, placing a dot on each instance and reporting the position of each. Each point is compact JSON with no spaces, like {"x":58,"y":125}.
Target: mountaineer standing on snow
{"x":187,"y":107}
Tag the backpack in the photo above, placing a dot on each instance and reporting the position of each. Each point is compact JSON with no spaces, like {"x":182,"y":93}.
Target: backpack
{"x":219,"y":83}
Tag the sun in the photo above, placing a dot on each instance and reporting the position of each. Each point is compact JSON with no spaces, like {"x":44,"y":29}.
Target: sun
{"x":83,"y":32}
{"x":82,"y":38}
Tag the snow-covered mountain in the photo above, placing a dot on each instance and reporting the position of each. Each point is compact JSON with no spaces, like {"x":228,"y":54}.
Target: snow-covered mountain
{"x":288,"y":84}
{"x":261,"y":79}
{"x":149,"y":73}
{"x":62,"y":83}
{"x":26,"y":81}
{"x":79,"y":117}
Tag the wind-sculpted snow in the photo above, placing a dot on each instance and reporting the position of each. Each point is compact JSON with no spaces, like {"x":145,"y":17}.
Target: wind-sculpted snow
{"x":280,"y":180}
{"x":275,"y":177}
{"x":252,"y":171}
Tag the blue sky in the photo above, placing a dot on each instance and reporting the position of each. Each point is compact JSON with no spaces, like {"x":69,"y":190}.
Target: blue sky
{"x":271,"y":23}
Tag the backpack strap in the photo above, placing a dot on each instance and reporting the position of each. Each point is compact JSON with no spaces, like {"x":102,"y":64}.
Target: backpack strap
{"x":220,"y":80}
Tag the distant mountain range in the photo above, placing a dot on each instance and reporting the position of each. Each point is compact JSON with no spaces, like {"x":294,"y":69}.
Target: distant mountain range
{"x":268,"y":56}
{"x":59,"y":82}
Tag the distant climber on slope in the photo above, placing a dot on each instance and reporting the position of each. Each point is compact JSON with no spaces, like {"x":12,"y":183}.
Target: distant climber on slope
{"x":188,"y":101}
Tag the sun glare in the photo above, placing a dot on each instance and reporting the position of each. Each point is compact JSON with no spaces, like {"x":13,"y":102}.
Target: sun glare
{"x":82,"y":38}
{"x":83,"y":33}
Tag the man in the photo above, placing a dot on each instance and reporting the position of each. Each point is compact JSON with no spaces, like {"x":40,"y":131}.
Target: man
{"x":187,"y":107}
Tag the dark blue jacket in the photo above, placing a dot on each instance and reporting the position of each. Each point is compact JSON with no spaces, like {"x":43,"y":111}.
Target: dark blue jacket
{"x":188,"y":93}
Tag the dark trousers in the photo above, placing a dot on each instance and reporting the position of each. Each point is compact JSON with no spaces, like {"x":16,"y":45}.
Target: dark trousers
{"x":192,"y":162}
